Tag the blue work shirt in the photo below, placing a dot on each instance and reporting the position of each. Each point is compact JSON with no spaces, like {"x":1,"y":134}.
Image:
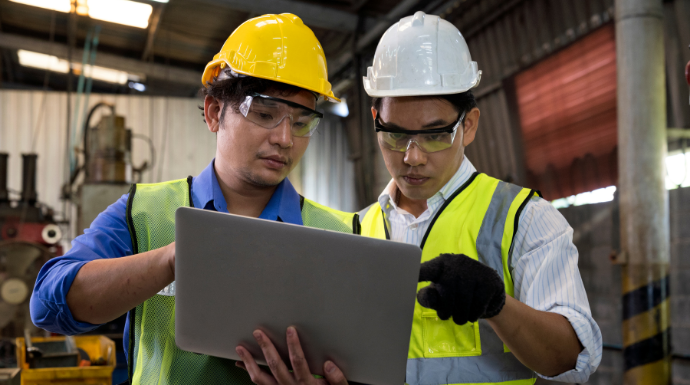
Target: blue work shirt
{"x":108,"y":237}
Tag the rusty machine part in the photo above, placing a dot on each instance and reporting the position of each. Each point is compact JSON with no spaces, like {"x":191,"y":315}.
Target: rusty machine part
{"x":20,"y":263}
{"x":28,"y":239}
{"x":108,"y":154}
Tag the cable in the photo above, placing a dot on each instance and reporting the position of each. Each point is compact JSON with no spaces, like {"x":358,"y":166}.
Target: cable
{"x":152,"y":150}
{"x":85,"y":135}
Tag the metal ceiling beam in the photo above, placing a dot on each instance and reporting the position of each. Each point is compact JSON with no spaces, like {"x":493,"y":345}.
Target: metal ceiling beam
{"x":491,"y":17}
{"x":372,"y":35}
{"x":311,"y":14}
{"x":151,"y":70}
{"x":154,"y":22}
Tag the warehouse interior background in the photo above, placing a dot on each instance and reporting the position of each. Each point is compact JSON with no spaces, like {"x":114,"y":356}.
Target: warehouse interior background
{"x":548,"y":94}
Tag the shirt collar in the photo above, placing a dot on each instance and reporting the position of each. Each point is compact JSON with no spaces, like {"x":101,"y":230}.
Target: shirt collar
{"x":461,"y":176}
{"x":284,"y":204}
{"x":202,"y":187}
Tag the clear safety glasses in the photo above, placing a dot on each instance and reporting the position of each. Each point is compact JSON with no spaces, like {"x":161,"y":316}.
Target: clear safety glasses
{"x":432,"y":140}
{"x":269,"y":112}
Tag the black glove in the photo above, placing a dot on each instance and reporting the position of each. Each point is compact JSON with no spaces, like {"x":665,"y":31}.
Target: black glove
{"x":461,"y":288}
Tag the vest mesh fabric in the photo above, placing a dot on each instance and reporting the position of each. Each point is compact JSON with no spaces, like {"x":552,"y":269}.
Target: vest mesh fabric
{"x":155,"y":356}
{"x":322,"y":217}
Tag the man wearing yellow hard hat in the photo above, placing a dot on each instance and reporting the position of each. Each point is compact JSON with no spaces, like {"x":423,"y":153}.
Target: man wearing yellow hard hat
{"x":259,"y":100}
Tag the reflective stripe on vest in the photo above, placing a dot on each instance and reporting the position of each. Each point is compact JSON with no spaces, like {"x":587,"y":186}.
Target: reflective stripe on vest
{"x":154,"y":356}
{"x":478,"y":220}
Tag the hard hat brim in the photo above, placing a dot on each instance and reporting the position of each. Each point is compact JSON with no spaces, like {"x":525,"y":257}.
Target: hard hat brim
{"x":210,"y":67}
{"x":375,"y":93}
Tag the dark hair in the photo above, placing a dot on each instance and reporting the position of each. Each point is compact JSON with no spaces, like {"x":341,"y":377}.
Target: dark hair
{"x":233,"y":90}
{"x":463,"y":102}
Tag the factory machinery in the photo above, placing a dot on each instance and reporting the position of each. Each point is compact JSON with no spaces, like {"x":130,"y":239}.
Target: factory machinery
{"x":107,"y":166}
{"x":29,"y":236}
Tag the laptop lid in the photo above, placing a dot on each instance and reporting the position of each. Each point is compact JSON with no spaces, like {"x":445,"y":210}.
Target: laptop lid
{"x":351,"y":298}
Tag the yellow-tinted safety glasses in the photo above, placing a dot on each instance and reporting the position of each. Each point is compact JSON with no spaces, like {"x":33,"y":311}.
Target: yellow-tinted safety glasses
{"x":431,"y":140}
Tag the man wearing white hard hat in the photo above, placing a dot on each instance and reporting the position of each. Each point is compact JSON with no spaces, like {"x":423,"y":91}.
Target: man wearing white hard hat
{"x":497,"y":258}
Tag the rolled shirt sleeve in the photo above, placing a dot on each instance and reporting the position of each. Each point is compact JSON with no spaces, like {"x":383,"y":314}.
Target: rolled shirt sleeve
{"x":107,"y":237}
{"x":546,"y":277}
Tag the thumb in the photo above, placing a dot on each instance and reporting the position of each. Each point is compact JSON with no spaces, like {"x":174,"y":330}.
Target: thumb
{"x":333,"y":374}
{"x":170,"y":257}
{"x":429,"y":297}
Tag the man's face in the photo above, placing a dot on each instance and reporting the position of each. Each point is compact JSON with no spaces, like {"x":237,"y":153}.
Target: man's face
{"x":420,"y":175}
{"x":256,"y":155}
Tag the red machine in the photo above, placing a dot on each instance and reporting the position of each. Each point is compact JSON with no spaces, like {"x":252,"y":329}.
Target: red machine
{"x":29,"y":237}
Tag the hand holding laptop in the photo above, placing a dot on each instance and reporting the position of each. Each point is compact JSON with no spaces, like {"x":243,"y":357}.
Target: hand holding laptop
{"x":280,"y":375}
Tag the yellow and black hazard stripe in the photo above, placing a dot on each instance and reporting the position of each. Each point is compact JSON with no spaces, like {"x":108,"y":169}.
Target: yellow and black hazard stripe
{"x":646,"y":324}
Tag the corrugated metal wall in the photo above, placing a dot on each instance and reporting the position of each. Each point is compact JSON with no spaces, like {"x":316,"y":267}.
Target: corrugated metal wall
{"x":567,"y":106}
{"x":505,"y":37}
{"x":182,"y":142}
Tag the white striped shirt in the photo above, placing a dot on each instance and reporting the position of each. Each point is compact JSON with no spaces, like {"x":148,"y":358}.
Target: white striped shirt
{"x":544,"y":262}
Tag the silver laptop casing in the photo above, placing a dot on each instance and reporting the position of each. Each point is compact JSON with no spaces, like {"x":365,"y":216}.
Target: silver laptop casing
{"x":351,"y":298}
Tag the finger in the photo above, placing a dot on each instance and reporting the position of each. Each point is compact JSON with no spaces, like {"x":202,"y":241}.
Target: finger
{"x":480,"y":302}
{"x":273,"y":360}
{"x":461,"y":299}
{"x":431,"y":270}
{"x":333,"y":374}
{"x":429,"y":297}
{"x":300,"y":367}
{"x":257,"y":375}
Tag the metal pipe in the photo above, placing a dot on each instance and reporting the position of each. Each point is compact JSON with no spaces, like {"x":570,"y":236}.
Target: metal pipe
{"x":644,"y":212}
{"x":4,"y":194}
{"x":29,"y":194}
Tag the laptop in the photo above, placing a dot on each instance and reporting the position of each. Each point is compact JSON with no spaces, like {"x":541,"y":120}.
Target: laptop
{"x":351,"y":298}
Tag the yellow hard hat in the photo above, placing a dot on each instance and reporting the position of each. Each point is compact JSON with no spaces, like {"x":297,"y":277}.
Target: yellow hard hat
{"x":275,"y":47}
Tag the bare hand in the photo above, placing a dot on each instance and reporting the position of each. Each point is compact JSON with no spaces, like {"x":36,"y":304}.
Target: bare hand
{"x":280,"y":375}
{"x":169,"y":256}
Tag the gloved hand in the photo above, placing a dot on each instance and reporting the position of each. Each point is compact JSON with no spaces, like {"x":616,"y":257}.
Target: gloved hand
{"x":461,"y":288}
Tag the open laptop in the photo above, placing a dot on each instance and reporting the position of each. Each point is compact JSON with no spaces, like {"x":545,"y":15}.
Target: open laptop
{"x":351,"y":298}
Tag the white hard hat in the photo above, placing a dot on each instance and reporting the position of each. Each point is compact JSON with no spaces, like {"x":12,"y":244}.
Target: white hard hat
{"x":421,"y":55}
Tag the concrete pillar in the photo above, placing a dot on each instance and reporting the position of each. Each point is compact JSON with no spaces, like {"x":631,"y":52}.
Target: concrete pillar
{"x":644,"y":213}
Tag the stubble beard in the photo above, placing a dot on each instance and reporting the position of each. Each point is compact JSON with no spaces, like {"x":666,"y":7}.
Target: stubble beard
{"x":257,"y":180}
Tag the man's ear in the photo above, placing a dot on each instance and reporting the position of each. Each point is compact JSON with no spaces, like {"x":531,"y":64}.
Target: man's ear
{"x":471,"y":125}
{"x":212,"y":112}
{"x":373,"y":113}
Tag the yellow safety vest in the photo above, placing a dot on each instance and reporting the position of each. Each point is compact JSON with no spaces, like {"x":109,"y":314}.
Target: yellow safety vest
{"x":479,"y":220}
{"x":154,"y":357}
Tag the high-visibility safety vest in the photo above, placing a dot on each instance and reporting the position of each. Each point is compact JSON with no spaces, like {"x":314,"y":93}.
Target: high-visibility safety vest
{"x":154,"y":358}
{"x":479,"y":220}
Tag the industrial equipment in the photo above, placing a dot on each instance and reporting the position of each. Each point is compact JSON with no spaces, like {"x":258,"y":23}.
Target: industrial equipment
{"x":96,"y":355}
{"x":107,"y":166}
{"x":29,"y":236}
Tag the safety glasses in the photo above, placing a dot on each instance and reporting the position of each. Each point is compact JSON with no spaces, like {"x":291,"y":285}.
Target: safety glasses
{"x":432,"y":140}
{"x":269,"y":112}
